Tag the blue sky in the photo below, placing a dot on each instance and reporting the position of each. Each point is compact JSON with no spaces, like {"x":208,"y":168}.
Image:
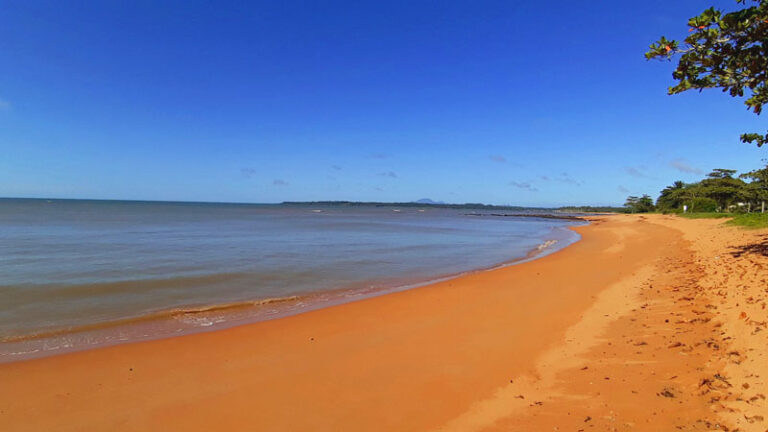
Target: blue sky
{"x":500,"y":102}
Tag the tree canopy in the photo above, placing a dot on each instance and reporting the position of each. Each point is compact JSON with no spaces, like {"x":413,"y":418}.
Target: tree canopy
{"x":674,"y":196}
{"x":723,"y":50}
{"x":643,"y":204}
{"x":720,"y":190}
{"x":723,"y":188}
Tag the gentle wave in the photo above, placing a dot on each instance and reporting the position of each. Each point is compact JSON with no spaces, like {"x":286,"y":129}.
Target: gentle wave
{"x":159,"y":315}
{"x":195,"y":310}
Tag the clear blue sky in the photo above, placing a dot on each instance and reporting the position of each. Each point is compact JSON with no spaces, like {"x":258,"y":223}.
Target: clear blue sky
{"x":504,"y":102}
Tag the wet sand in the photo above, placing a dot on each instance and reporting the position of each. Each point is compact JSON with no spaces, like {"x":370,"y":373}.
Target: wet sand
{"x":648,"y":323}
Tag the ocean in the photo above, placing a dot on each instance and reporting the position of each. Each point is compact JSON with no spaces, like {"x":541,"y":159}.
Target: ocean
{"x":82,"y":273}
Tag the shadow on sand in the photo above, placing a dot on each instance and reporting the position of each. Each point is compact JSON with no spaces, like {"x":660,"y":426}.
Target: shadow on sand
{"x":759,"y":248}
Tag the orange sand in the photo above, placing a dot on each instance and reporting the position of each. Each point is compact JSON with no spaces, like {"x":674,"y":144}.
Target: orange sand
{"x":648,"y":323}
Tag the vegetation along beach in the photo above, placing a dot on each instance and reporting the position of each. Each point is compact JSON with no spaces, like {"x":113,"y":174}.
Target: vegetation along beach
{"x":383,"y":216}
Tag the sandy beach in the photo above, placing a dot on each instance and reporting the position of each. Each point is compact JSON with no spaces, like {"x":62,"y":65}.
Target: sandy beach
{"x":648,"y":323}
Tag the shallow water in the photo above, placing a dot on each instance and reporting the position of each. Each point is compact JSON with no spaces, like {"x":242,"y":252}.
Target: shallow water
{"x":69,"y":264}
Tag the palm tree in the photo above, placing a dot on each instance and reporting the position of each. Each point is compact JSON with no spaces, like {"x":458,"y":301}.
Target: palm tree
{"x":672,"y":197}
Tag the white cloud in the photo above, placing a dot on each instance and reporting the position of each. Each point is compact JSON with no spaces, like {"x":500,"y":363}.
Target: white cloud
{"x":523,"y":185}
{"x":682,"y":166}
{"x":498,"y":158}
{"x":636,"y":172}
{"x":566,"y":178}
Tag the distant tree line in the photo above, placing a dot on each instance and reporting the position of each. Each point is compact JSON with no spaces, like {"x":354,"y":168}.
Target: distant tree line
{"x":588,"y":209}
{"x":465,"y":206}
{"x":477,"y":206}
{"x":720,"y":191}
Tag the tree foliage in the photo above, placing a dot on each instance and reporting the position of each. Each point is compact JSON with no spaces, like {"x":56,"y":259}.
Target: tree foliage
{"x":643,"y":204}
{"x":723,"y":188}
{"x":723,"y":50}
{"x":758,"y":187}
{"x":720,"y":190}
{"x":672,"y":196}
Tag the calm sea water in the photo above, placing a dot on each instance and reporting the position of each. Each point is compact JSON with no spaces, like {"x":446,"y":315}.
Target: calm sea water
{"x":67,"y":265}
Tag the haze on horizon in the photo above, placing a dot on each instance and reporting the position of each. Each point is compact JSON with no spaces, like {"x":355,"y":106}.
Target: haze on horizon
{"x":493,"y":101}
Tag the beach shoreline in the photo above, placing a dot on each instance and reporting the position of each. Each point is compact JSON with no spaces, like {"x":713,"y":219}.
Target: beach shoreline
{"x":593,"y":335}
{"x":198,"y":318}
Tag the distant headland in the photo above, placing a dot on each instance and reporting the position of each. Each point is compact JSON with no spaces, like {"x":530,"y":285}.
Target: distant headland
{"x":426,"y":202}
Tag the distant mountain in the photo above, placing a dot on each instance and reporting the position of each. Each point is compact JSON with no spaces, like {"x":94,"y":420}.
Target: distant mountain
{"x":429,"y":201}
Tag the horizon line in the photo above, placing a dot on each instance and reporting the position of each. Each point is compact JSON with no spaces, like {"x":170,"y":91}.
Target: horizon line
{"x":319,"y":202}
